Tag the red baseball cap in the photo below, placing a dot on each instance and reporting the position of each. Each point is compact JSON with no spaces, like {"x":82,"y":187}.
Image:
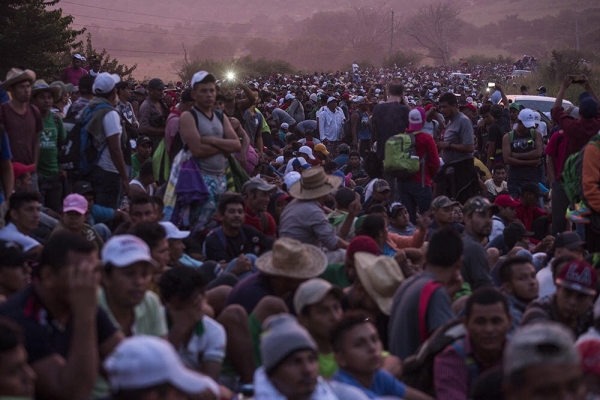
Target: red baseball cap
{"x":429,"y":107}
{"x":589,"y":350}
{"x":504,"y":200}
{"x":22,"y":169}
{"x":579,"y":276}
{"x":346,"y":96}
{"x":470,"y":107}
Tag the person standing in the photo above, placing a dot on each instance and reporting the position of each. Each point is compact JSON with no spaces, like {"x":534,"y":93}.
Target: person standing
{"x":331,"y":125}
{"x":73,"y":73}
{"x":153,"y":112}
{"x":360,"y":122}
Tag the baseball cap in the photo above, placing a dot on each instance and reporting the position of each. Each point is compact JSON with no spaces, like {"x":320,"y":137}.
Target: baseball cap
{"x":589,"y":351}
{"x":504,"y":200}
{"x":186,"y":95}
{"x":143,"y":361}
{"x":343,"y":148}
{"x":79,"y":57}
{"x":22,"y":169}
{"x":308,"y":151}
{"x":478,"y":204}
{"x":381,"y":185}
{"x":313,"y":291}
{"x":82,"y":187}
{"x":469,"y":107}
{"x":542,"y":89}
{"x":517,"y":229}
{"x":330,"y":99}
{"x":416,"y":119}
{"x":257,"y":183}
{"x":173,"y":232}
{"x":531,"y":187}
{"x":156,"y":84}
{"x":568,"y":240}
{"x":321,"y":149}
{"x":527,"y":118}
{"x":394,"y":207}
{"x":75,"y":202}
{"x":300,"y":162}
{"x":105,"y":83}
{"x":199,"y":77}
{"x":579,"y":276}
{"x":542,"y":343}
{"x":143,"y":140}
{"x":285,"y":125}
{"x":11,"y":254}
{"x":441,"y":202}
{"x":289,"y":96}
{"x":125,"y":250}
{"x":516,"y":106}
{"x":290,"y":178}
{"x":588,"y":107}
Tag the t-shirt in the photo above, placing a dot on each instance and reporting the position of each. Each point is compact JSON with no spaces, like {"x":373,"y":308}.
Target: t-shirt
{"x":10,"y":233}
{"x":475,"y":268}
{"x":281,"y":116}
{"x":23,"y":132}
{"x":257,"y":221}
{"x":149,"y":315}
{"x":388,"y":119}
{"x":309,"y":124}
{"x":249,"y":291}
{"x":45,"y":336}
{"x":404,"y":334}
{"x":495,"y":134}
{"x":557,"y":149}
{"x":219,"y":247}
{"x":384,"y":384}
{"x":87,"y":232}
{"x":72,"y":75}
{"x":495,"y":190}
{"x":458,"y":131}
{"x":112,"y":126}
{"x":327,"y":365}
{"x":206,"y":344}
{"x":49,"y":139}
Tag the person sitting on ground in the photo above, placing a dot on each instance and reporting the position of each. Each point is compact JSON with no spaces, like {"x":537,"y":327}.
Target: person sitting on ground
{"x":487,"y":320}
{"x":141,"y":209}
{"x":75,"y":208}
{"x":258,"y":193}
{"x":498,"y":183}
{"x":17,"y":378}
{"x":344,"y":155}
{"x":143,"y":182}
{"x":360,"y":365}
{"x":571,"y":305}
{"x":504,"y":216}
{"x":399,"y":221}
{"x":529,"y":212}
{"x":355,"y":168}
{"x":23,"y":217}
{"x":441,"y":210}
{"x":520,"y":285}
{"x":380,"y":195}
{"x":155,"y":236}
{"x":199,"y":339}
{"x":566,"y":244}
{"x":347,"y":205}
{"x":15,"y":272}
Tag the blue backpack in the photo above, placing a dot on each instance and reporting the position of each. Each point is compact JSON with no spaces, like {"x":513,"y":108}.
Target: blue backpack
{"x":89,"y":154}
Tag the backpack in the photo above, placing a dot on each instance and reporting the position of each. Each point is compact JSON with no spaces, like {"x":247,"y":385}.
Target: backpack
{"x":573,"y":171}
{"x":401,"y":159}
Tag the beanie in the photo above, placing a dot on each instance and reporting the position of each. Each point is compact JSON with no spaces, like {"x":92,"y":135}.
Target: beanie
{"x":362,"y":243}
{"x":588,"y":108}
{"x":283,"y":336}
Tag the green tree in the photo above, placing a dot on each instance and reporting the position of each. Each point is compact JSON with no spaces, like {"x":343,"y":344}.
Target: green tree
{"x":31,"y":36}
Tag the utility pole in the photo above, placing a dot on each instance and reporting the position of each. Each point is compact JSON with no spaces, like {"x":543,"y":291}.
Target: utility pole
{"x":577,"y":28}
{"x":392,"y":35}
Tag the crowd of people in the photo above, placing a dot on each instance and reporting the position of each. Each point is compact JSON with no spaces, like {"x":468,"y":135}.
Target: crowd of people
{"x":376,"y":233}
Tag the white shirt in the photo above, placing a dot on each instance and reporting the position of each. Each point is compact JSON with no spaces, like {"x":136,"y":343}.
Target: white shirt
{"x":210,"y":346}
{"x":112,"y":126}
{"x":545,"y":281}
{"x":331,"y":124}
{"x":497,"y":228}
{"x":10,"y":233}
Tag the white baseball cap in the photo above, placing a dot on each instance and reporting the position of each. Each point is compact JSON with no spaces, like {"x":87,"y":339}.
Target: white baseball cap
{"x":105,"y":83}
{"x":143,"y":361}
{"x":125,"y":250}
{"x":285,"y":125}
{"x":290,"y":178}
{"x":173,"y":232}
{"x":289,"y":96}
{"x":199,"y":77}
{"x":527,"y":118}
{"x":308,"y":151}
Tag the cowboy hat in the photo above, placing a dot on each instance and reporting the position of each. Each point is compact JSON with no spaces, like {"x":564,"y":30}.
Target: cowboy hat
{"x":380,"y":276}
{"x":291,"y":258}
{"x":41,"y":86}
{"x":64,"y":87}
{"x":314,"y":183}
{"x":16,"y":75}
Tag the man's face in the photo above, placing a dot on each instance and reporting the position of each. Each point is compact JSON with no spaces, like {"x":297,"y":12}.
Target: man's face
{"x":401,"y":219}
{"x":572,"y":304}
{"x":144,"y":150}
{"x":21,"y":91}
{"x":17,"y":378}
{"x":176,"y":249}
{"x":487,"y":119}
{"x":499,"y":176}
{"x":24,"y":182}
{"x":544,"y":382}
{"x":354,"y":161}
{"x":27,"y":218}
{"x":383,"y":196}
{"x":563,"y":251}
{"x":468,"y":112}
{"x":508,"y":213}
{"x":15,"y":277}
{"x":487,"y":326}
{"x":361,"y":349}
{"x":523,"y":284}
{"x":234,"y":216}
{"x":480,"y":223}
{"x":161,"y":253}
{"x":443,"y":215}
{"x":141,"y":212}
{"x":156,"y":94}
{"x":332,"y":105}
{"x":73,"y":221}
{"x":205,"y":94}
{"x":296,"y":376}
{"x":127,"y":286}
{"x":529,"y":199}
{"x":322,"y":316}
{"x":258,"y":200}
{"x":76,"y":63}
{"x":514,"y":114}
{"x":43,"y":101}
{"x":447,"y":110}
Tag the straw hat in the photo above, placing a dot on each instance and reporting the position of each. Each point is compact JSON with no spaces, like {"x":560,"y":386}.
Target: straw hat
{"x":314,"y":184}
{"x":380,"y":276}
{"x":64,"y":87}
{"x":16,"y":75}
{"x":41,"y":86}
{"x":292,"y":259}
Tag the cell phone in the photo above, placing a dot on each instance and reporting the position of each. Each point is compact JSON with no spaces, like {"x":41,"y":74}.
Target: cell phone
{"x":577,"y":78}
{"x":491,"y":85}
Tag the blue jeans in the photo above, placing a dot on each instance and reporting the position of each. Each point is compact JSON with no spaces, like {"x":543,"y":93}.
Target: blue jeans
{"x":414,"y":196}
{"x":251,"y":257}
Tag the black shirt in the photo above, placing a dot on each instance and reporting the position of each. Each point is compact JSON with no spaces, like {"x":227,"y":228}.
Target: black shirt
{"x":44,"y":336}
{"x":389,"y":119}
{"x":219,"y":247}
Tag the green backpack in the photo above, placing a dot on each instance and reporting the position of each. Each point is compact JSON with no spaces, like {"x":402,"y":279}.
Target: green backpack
{"x":401,"y":159}
{"x":572,"y":173}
